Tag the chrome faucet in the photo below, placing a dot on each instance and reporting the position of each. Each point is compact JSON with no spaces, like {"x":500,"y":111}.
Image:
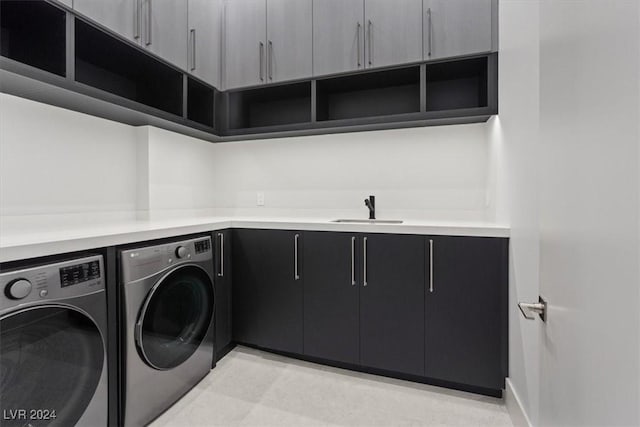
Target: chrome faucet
{"x":371,"y":204}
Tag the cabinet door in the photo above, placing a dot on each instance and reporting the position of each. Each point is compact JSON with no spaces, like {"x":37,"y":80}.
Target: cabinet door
{"x":338,"y":36}
{"x":205,"y":39}
{"x":165,"y":29}
{"x":245,"y":43}
{"x":393,"y":32}
{"x":392,"y":303}
{"x":289,"y":40}
{"x":267,"y":297}
{"x":457,"y":27}
{"x":120,"y":16}
{"x":466,"y":311}
{"x":331,"y":307}
{"x":222,"y":250}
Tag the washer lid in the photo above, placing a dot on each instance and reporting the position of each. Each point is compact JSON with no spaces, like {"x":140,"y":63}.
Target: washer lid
{"x":51,"y":361}
{"x":175,"y":317}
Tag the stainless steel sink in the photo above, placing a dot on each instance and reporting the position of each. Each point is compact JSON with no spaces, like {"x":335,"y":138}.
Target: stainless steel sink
{"x":368,"y":221}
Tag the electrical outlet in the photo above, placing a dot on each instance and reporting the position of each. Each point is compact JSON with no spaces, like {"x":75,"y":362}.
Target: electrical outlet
{"x":260,"y":198}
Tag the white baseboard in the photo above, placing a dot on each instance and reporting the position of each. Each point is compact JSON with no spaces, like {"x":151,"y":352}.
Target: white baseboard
{"x":514,"y":406}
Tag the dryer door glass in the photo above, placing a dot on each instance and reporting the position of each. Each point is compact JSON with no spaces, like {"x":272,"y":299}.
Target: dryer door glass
{"x":175,"y":318}
{"x":51,"y":360}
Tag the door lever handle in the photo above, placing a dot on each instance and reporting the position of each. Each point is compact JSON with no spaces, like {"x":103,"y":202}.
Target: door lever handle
{"x":529,"y":309}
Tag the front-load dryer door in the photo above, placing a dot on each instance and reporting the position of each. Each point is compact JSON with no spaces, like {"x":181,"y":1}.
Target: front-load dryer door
{"x":175,"y":317}
{"x":51,"y":362}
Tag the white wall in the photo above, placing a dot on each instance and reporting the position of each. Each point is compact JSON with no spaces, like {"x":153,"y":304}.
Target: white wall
{"x":57,"y":161}
{"x":438,"y":173}
{"x":514,"y":136}
{"x":181,"y":173}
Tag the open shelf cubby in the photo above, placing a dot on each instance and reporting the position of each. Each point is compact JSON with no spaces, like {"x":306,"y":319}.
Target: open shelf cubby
{"x":374,"y":94}
{"x":457,"y":85}
{"x":200,"y":102}
{"x":33,"y":32}
{"x":112,"y":65}
{"x":270,"y":106}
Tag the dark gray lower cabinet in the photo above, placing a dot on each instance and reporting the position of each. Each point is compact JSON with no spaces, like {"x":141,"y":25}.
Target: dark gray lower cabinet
{"x":267,"y":297}
{"x":331,"y":296}
{"x":222,"y":281}
{"x":466,"y":317}
{"x":365,"y":310}
{"x":392,"y":303}
{"x":378,"y":302}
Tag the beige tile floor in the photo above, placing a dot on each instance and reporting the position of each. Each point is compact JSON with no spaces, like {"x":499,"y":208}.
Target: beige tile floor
{"x":253,"y":388}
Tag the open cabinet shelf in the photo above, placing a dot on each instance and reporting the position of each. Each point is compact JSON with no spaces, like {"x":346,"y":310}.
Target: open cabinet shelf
{"x":200,"y":102}
{"x":457,"y":85}
{"x":112,"y":65}
{"x":34,"y":33}
{"x":374,"y":94}
{"x":270,"y":106}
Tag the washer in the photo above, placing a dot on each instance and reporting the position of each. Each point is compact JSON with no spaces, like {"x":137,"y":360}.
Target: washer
{"x":53,"y":359}
{"x":168,"y":305}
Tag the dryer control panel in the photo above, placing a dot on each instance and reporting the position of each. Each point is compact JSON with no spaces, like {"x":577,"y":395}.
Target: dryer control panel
{"x":59,"y":281}
{"x":144,"y":262}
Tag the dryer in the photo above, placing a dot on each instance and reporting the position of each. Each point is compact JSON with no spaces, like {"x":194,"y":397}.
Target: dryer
{"x":53,"y":359}
{"x":168,"y":310}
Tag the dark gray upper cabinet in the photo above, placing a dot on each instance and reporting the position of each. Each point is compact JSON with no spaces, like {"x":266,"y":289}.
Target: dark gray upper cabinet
{"x":331,"y":296}
{"x":459,"y":27}
{"x":205,"y":40}
{"x":289,"y":40}
{"x":393,"y":32}
{"x":157,"y":25}
{"x":350,"y":35}
{"x":267,"y":293}
{"x":392,"y":303}
{"x":466,"y":317}
{"x":267,"y":41}
{"x":121,"y":16}
{"x":165,"y":29}
{"x":338,"y":36}
{"x":245,"y":44}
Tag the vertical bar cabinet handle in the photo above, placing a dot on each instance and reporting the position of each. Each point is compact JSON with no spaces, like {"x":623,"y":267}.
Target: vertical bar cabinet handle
{"x":364,"y":280}
{"x":370,"y":43}
{"x":431,"y":265}
{"x":149,"y":17}
{"x":430,"y":31}
{"x":136,"y":27}
{"x":221,"y":273}
{"x":261,"y":61}
{"x":295,"y":257}
{"x":193,"y":49}
{"x":353,"y":261}
{"x":358,"y":43}
{"x":270,"y":57}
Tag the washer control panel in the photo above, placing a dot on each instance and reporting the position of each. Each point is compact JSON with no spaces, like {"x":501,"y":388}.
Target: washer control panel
{"x":61,"y":280}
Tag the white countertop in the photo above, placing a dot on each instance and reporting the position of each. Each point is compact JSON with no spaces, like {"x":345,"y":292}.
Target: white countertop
{"x":32,"y":239}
